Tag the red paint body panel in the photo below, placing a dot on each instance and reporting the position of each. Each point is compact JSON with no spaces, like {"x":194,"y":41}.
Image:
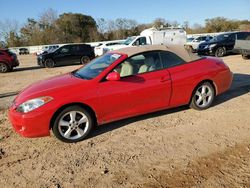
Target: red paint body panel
{"x":114,"y":100}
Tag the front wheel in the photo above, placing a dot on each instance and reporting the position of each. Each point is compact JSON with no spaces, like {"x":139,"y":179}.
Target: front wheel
{"x":73,"y":124}
{"x":49,"y":63}
{"x":220,"y":52}
{"x":203,"y":96}
{"x":85,"y":60}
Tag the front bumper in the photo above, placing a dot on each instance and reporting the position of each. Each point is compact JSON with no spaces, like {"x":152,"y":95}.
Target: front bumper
{"x":32,"y":124}
{"x":205,"y":51}
{"x":40,"y":61}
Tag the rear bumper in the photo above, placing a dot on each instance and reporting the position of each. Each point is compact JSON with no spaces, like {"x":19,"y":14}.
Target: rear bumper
{"x":15,"y":63}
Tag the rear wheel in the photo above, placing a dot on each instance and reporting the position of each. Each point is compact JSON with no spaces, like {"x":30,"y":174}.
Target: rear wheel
{"x":49,"y":63}
{"x":4,"y":68}
{"x":203,"y":96}
{"x":73,"y":124}
{"x":245,"y":56}
{"x":85,"y":60}
{"x":220,"y":52}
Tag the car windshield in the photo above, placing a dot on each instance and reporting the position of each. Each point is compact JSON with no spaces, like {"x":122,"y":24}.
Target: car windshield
{"x":95,"y":67}
{"x":128,"y":40}
{"x":219,"y":38}
{"x":190,"y":39}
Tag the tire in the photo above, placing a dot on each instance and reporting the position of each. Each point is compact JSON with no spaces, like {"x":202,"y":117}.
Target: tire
{"x":67,"y":128}
{"x":220,"y":52}
{"x":246,"y":57}
{"x":49,"y":63}
{"x":4,"y":68}
{"x":85,"y":60}
{"x":203,"y":96}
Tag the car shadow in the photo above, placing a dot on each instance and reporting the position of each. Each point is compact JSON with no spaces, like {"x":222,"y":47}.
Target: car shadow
{"x":27,"y":68}
{"x":39,"y":67}
{"x":240,"y":86}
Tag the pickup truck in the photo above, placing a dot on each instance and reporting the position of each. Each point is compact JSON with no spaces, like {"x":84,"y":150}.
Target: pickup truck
{"x":243,"y":46}
{"x":154,"y":36}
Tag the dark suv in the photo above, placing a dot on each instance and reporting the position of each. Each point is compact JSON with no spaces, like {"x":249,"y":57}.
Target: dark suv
{"x":222,"y":44}
{"x":66,"y":55}
{"x":8,"y":60}
{"x":23,"y":51}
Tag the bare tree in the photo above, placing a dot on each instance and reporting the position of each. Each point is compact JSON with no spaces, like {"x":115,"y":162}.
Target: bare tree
{"x":6,"y":27}
{"x":48,"y":17}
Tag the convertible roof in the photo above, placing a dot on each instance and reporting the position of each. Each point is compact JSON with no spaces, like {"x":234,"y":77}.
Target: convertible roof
{"x":181,"y":51}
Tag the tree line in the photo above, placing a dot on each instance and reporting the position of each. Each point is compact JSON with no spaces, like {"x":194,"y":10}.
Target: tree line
{"x":50,"y":28}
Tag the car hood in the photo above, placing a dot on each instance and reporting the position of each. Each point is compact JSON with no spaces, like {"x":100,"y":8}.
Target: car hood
{"x":116,"y":47}
{"x":59,"y":85}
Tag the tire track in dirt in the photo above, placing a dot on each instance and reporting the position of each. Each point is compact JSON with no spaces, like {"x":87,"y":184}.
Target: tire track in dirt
{"x":205,"y":171}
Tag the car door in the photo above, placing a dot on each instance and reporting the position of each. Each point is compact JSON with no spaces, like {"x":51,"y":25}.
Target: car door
{"x":63,"y":55}
{"x":183,"y":75}
{"x":143,"y":87}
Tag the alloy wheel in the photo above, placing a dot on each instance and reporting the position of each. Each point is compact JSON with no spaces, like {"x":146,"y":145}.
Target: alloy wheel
{"x":73,"y":125}
{"x":203,"y":96}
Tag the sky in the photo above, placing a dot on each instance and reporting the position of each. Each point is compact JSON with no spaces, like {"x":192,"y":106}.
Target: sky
{"x":143,"y":11}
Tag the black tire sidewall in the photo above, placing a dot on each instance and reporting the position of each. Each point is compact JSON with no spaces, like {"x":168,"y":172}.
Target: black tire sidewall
{"x":49,"y":66}
{"x":7,"y":68}
{"x":220,"y":48}
{"x":84,"y":60}
{"x":66,"y":110}
{"x":193,"y":102}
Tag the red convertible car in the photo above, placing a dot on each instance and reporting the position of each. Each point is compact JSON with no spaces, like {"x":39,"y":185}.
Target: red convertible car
{"x":118,"y":85}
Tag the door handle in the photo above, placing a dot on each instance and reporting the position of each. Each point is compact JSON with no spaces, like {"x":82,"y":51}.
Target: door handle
{"x":164,"y":79}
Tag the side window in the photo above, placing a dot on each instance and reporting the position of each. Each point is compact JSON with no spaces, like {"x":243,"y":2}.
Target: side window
{"x":140,"y":41}
{"x":138,"y":64}
{"x":169,"y":59}
{"x":241,"y":36}
{"x":232,"y":37}
{"x":65,"y":49}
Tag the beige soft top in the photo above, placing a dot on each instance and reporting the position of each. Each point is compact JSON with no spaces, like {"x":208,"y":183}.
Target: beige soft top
{"x":178,"y":50}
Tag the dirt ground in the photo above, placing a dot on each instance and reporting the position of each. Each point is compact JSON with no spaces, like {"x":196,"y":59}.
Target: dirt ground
{"x":172,"y":148}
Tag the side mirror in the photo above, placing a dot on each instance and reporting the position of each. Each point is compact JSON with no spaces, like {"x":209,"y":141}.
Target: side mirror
{"x":113,"y":76}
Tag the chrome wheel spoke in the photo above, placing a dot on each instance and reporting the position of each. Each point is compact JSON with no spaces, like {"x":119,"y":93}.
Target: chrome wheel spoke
{"x":80,"y":132}
{"x":83,"y":120}
{"x":64,"y":123}
{"x":72,"y":116}
{"x":203,"y":90}
{"x":67,"y":133}
{"x":198,"y":93}
{"x":199,"y":100}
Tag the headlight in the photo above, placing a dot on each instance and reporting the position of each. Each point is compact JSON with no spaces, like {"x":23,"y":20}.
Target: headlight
{"x":212,"y":45}
{"x":33,"y":104}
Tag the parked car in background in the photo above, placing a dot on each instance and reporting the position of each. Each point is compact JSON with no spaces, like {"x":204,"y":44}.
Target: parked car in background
{"x":47,"y":49}
{"x":243,"y":47}
{"x":155,"y":36}
{"x":194,"y":43}
{"x":67,"y":55}
{"x":222,"y":44}
{"x":120,"y":84}
{"x":8,"y":60}
{"x":104,"y":47}
{"x":23,"y":51}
